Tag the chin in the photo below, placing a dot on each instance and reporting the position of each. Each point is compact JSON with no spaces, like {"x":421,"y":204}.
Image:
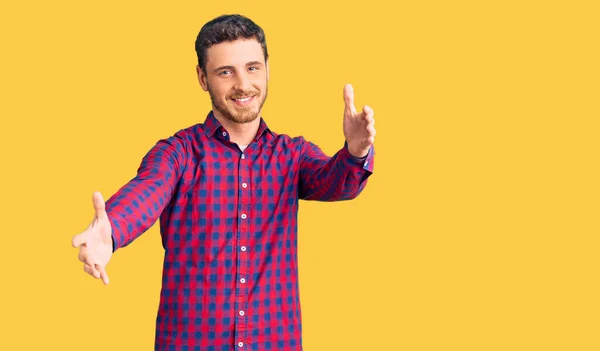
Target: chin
{"x":236,"y":114}
{"x":241,"y":117}
{"x":247,"y":118}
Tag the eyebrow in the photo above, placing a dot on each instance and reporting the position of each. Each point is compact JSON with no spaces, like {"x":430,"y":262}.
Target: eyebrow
{"x":252,"y":63}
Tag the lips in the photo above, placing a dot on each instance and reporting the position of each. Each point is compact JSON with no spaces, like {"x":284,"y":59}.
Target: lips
{"x":244,"y":100}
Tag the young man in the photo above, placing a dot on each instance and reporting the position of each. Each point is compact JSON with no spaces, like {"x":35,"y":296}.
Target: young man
{"x":227,"y":195}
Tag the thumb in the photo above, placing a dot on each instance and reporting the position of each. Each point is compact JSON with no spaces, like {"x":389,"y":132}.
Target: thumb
{"x":98,"y":202}
{"x":349,"y":99}
{"x":79,"y":239}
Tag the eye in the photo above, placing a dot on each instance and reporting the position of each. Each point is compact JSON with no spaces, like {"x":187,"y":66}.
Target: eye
{"x":253,"y":68}
{"x":225,"y":72}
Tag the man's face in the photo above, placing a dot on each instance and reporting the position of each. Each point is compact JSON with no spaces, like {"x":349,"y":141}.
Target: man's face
{"x":236,"y":79}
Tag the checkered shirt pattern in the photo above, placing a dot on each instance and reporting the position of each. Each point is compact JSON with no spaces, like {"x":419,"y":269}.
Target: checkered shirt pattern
{"x":228,"y":222}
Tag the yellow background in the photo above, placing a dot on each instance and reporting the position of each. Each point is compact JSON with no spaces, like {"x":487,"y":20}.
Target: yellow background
{"x":478,"y":231}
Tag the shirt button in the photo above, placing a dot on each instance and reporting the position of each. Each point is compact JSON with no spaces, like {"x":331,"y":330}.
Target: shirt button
{"x":243,"y":248}
{"x":366,"y":163}
{"x":242,"y":280}
{"x":243,"y":156}
{"x":243,"y":216}
{"x":240,"y":344}
{"x":224,"y":134}
{"x":244,"y":185}
{"x":241,"y":313}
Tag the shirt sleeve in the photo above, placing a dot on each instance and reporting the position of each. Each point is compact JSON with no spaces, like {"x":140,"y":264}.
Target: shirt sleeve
{"x":341,"y":177}
{"x":137,"y":205}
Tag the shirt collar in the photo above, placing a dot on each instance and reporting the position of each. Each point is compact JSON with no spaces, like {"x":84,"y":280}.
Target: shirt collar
{"x":212,"y":125}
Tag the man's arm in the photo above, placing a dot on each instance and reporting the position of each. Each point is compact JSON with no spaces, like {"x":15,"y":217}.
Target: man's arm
{"x":137,"y":205}
{"x":344,"y":175}
{"x":133,"y":209}
{"x":341,"y":177}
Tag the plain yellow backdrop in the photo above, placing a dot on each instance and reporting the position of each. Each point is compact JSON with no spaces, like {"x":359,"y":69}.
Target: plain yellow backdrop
{"x":479,"y":229}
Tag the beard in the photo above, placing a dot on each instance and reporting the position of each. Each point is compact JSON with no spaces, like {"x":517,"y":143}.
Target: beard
{"x":239,"y":114}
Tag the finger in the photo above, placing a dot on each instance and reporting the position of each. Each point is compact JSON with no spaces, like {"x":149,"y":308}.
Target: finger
{"x":349,"y":99}
{"x":368,"y":111}
{"x":91,"y":271}
{"x":84,"y":257}
{"x":370,"y":121}
{"x":371,"y":130}
{"x":79,"y":239}
{"x":103,"y":274}
{"x":99,"y":205}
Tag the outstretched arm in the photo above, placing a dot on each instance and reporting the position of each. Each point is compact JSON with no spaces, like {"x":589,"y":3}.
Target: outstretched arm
{"x":137,"y":205}
{"x":133,"y":208}
{"x":344,"y":175}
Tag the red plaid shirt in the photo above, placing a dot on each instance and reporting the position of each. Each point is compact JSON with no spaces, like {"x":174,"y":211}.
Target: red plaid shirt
{"x":228,"y":221}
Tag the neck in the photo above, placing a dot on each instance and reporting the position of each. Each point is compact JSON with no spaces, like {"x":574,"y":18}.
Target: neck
{"x":239,"y":133}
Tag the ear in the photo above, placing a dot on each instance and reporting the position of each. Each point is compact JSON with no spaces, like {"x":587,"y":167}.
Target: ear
{"x":267,"y":70}
{"x":202,"y":78}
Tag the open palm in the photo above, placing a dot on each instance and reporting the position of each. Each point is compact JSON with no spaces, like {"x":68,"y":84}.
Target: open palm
{"x":359,"y":127}
{"x":95,"y":243}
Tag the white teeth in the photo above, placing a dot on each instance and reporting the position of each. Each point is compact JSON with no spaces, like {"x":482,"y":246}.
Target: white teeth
{"x":244,"y":99}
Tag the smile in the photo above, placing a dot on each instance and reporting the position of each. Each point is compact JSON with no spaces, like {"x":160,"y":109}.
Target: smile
{"x":243,"y":101}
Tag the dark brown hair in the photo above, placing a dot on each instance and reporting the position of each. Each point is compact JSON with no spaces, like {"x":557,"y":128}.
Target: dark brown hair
{"x":227,"y":28}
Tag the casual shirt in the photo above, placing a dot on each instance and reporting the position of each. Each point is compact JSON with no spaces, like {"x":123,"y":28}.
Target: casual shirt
{"x":228,"y":222}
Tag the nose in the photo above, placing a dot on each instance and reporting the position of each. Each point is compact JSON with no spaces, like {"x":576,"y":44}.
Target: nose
{"x":243,"y":82}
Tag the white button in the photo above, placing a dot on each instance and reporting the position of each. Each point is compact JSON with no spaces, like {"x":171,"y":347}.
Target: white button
{"x":224,"y":134}
{"x":243,"y":156}
{"x":244,"y":185}
{"x":241,"y":313}
{"x":243,"y":216}
{"x":242,"y":280}
{"x":243,"y":248}
{"x":240,"y":344}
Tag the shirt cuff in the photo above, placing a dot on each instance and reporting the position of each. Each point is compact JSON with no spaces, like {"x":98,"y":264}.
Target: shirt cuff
{"x":366,"y":162}
{"x":116,"y":232}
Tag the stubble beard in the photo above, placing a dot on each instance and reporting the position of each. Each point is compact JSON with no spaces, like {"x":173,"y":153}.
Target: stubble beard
{"x":238,"y":115}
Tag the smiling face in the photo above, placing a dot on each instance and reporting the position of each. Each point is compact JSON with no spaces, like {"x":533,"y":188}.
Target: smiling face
{"x":236,"y":79}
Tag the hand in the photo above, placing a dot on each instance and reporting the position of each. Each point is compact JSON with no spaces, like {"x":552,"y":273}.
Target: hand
{"x":95,"y":243}
{"x":359,"y":128}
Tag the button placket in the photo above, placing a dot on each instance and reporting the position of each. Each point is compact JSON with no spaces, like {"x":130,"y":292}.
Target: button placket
{"x":243,"y":245}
